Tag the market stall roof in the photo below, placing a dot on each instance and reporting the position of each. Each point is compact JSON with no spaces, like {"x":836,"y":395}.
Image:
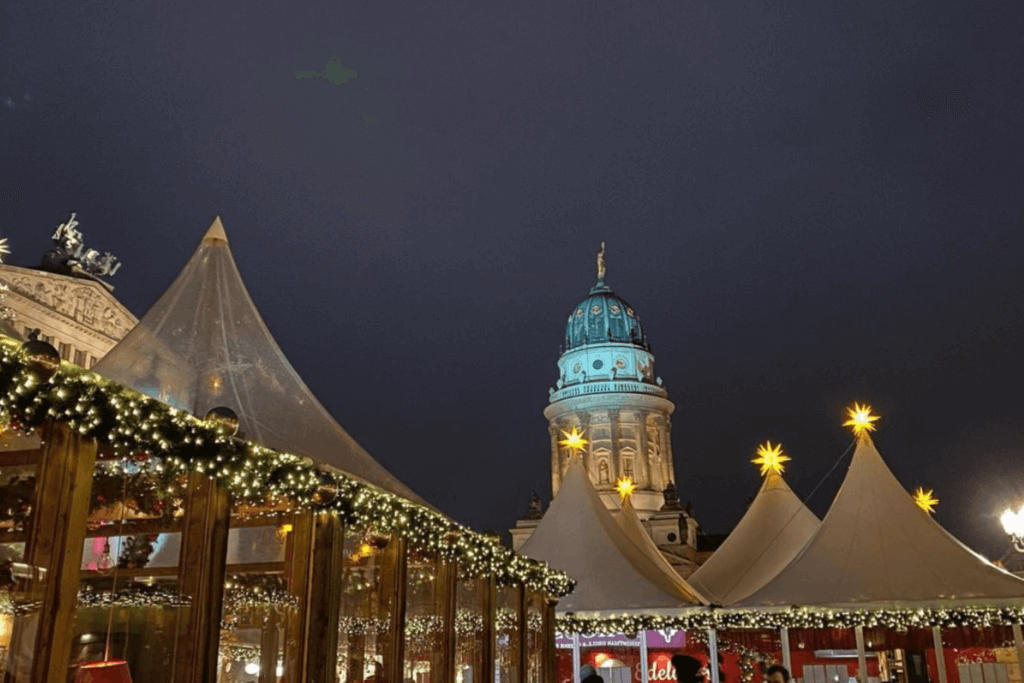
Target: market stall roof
{"x":203,"y":344}
{"x":634,"y":529}
{"x":877,"y":547}
{"x":579,"y":536}
{"x":774,"y":529}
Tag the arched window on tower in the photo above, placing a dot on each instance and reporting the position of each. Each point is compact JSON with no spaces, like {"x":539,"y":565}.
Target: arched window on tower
{"x":603,"y":473}
{"x":627,"y":467}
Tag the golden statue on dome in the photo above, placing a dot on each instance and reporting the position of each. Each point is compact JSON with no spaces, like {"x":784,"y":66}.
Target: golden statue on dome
{"x":600,"y":262}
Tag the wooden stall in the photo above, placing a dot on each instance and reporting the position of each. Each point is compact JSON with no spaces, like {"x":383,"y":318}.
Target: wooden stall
{"x":140,"y":543}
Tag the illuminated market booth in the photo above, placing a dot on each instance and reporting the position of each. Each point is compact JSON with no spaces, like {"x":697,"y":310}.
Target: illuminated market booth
{"x":257,"y":542}
{"x":877,"y":591}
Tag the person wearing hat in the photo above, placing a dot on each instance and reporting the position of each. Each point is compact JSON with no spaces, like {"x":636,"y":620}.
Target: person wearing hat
{"x":588,"y":674}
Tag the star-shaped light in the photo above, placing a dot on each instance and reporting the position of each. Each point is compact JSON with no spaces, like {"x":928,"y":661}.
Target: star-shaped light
{"x":861,"y":419}
{"x":925,"y":500}
{"x":4,"y":249}
{"x":625,"y":487}
{"x":770,"y":458}
{"x":574,"y":441}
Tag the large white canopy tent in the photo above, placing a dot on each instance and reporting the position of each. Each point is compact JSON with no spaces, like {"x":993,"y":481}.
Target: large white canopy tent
{"x":203,"y":344}
{"x":776,"y":527}
{"x":579,"y":536}
{"x":877,"y":548}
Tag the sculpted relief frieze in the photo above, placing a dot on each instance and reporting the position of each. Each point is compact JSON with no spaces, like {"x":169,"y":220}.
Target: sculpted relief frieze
{"x":81,"y":303}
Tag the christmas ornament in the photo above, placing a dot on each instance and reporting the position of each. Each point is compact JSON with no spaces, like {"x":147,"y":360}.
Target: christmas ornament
{"x":326,"y":490}
{"x":225,"y":419}
{"x":41,"y":360}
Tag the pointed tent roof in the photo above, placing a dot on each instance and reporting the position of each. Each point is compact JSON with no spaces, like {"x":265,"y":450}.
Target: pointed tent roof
{"x":876,"y":547}
{"x":203,"y":344}
{"x":579,"y":536}
{"x":634,"y":529}
{"x":774,"y":529}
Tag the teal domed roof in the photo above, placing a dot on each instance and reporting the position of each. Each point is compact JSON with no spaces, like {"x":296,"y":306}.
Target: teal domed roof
{"x":601,"y":318}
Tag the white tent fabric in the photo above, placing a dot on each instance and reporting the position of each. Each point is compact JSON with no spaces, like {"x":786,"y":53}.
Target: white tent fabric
{"x":579,"y":536}
{"x":203,"y":344}
{"x":631,"y":525}
{"x":877,"y":547}
{"x":774,"y":529}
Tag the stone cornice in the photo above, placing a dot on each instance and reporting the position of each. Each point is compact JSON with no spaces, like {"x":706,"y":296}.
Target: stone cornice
{"x":618,"y":387}
{"x":606,"y":401}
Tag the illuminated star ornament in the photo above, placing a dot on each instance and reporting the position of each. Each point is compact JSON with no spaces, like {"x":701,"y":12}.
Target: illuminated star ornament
{"x":770,"y":458}
{"x":925,"y":500}
{"x":625,"y":487}
{"x":574,"y":441}
{"x":861,"y":419}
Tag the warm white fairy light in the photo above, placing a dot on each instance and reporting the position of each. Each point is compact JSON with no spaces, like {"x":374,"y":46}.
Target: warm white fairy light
{"x":133,"y":423}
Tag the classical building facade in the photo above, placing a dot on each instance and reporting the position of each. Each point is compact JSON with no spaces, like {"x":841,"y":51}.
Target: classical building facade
{"x":66,"y":300}
{"x":80,"y":317}
{"x":608,"y":390}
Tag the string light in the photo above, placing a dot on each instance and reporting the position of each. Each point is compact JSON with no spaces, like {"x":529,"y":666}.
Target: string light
{"x":178,"y":443}
{"x":793,"y":617}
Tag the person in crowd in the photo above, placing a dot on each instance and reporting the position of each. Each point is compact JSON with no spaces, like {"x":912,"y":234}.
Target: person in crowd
{"x":588,"y":674}
{"x":776,"y":673}
{"x":688,"y":669}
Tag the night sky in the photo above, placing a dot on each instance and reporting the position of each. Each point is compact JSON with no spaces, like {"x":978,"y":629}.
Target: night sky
{"x":807,"y":204}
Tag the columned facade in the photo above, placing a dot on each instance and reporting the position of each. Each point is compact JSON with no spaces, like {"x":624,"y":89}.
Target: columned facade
{"x":627,"y":436}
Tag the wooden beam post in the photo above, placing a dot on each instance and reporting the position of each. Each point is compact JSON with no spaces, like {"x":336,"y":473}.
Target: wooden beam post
{"x":393,"y":588}
{"x":550,"y":652}
{"x":448,"y":575}
{"x":490,"y":612}
{"x":315,"y":654}
{"x":41,"y":642}
{"x":524,"y":656}
{"x":201,"y":574}
{"x":269,"y":643}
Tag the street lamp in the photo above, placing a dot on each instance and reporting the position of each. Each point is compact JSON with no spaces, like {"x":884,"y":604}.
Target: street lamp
{"x":1013,"y":524}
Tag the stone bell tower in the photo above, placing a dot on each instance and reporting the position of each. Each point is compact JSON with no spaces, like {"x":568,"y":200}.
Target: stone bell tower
{"x":607,"y":390}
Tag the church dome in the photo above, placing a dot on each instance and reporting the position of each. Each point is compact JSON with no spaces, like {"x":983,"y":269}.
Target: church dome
{"x":601,"y":318}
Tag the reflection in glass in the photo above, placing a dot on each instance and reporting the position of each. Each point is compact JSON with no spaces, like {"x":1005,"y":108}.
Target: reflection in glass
{"x":424,"y":618}
{"x":469,"y":628}
{"x":506,"y":635}
{"x":365,"y":609}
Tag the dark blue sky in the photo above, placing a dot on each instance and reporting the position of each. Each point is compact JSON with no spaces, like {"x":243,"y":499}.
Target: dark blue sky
{"x":799,"y":223}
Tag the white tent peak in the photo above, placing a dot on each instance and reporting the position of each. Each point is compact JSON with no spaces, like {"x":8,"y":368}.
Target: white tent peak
{"x":774,"y":529}
{"x":579,"y":536}
{"x":216,"y":231}
{"x":877,"y":547}
{"x":203,"y":344}
{"x":634,"y":529}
